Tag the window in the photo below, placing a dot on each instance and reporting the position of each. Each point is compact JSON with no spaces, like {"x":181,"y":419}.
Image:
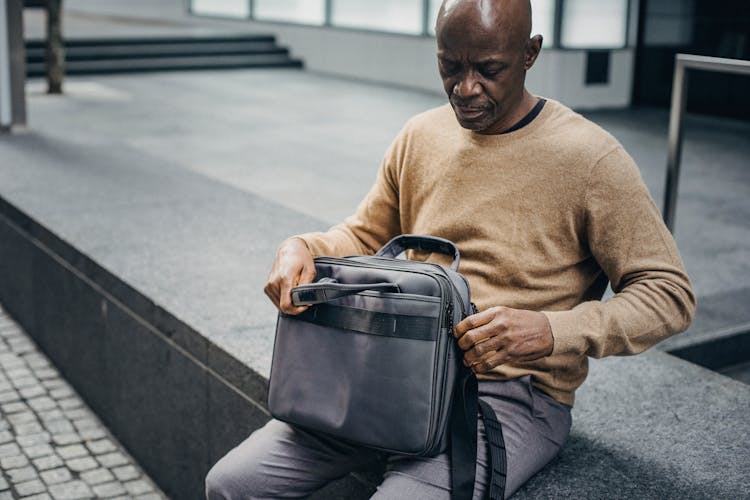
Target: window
{"x":594,"y":23}
{"x":543,"y":20}
{"x":400,"y":16}
{"x":224,"y":8}
{"x":295,"y":11}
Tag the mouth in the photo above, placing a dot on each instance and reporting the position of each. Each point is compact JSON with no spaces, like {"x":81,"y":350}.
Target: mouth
{"x":469,"y":113}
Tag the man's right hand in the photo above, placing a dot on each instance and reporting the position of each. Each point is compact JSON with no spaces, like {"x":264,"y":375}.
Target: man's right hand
{"x":293,"y":266}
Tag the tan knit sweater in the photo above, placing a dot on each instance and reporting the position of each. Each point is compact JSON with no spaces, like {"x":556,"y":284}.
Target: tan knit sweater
{"x":543,"y":217}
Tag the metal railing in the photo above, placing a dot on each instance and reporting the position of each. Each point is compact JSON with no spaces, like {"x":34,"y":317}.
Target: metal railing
{"x":684,"y":62}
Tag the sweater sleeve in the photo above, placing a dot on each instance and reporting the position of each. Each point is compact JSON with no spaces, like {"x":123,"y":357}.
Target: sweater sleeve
{"x":626,"y":235}
{"x":375,"y":221}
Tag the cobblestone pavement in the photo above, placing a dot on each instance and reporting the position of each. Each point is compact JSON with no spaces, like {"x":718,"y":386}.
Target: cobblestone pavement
{"x":52,"y":446}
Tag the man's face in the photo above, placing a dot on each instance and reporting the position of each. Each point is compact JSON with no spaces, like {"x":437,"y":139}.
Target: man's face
{"x":483,"y":70}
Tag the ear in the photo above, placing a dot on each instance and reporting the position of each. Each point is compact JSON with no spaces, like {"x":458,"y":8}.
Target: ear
{"x":533,"y":47}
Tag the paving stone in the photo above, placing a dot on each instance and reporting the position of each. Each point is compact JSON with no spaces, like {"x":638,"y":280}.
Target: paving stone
{"x":48,"y":462}
{"x":97,"y":476}
{"x":112,"y":459}
{"x":5,"y":437}
{"x":61,"y":392}
{"x":13,"y":462}
{"x":59,"y":426}
{"x":28,"y":428}
{"x":3,"y":484}
{"x":10,"y":361}
{"x":72,"y":451}
{"x":33,"y":439}
{"x":86,"y":423}
{"x":30,"y":487}
{"x":9,"y":450}
{"x":36,"y":361}
{"x":22,"y":417}
{"x":138,"y":487}
{"x":9,"y":396}
{"x":82,"y":464}
{"x":6,"y":495}
{"x":19,"y":372}
{"x":4,"y":425}
{"x":77,"y":413}
{"x":109,"y":490}
{"x":25,"y":382}
{"x":50,"y":383}
{"x":55,"y":476}
{"x":41,"y":496}
{"x":38,"y":450}
{"x":50,"y":415}
{"x":41,"y":403}
{"x":13,"y":407}
{"x":70,"y":403}
{"x":33,"y":391}
{"x":50,"y":375}
{"x":66,"y":438}
{"x":70,"y":491}
{"x":92,"y":434}
{"x":101,"y":446}
{"x":21,"y":474}
{"x":21,"y":346}
{"x":126,"y":472}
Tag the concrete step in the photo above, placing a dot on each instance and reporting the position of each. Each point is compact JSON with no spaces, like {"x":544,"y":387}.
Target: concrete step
{"x":118,"y":55}
{"x":128,"y":51}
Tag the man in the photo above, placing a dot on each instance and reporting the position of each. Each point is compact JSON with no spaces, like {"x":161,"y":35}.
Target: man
{"x":546,"y":208}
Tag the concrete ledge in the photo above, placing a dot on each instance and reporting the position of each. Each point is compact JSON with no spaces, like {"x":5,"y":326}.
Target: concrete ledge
{"x":143,"y":371}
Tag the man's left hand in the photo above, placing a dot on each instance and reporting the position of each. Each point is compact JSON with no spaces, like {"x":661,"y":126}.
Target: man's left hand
{"x":502,"y":335}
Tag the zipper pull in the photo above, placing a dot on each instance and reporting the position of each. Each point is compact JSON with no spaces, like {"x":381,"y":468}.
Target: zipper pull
{"x":449,"y":316}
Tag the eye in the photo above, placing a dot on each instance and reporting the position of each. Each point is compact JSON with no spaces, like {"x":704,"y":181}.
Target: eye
{"x":449,"y":67}
{"x":491,"y":70}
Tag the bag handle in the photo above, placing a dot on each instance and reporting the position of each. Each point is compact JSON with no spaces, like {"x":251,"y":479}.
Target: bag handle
{"x":433,"y":244}
{"x":329,"y":289}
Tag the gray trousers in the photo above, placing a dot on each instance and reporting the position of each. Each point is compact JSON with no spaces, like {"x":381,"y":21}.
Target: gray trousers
{"x":282,"y":461}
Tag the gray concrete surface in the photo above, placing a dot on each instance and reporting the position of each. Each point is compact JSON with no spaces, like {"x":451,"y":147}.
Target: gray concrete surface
{"x":52,"y":446}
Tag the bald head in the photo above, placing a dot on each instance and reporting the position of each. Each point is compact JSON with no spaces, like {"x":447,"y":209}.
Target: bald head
{"x":513,"y":16}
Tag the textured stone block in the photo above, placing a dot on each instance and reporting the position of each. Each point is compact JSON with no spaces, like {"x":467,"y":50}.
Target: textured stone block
{"x":97,"y":476}
{"x":47,"y":462}
{"x":30,"y":487}
{"x":72,"y":490}
{"x":55,"y":476}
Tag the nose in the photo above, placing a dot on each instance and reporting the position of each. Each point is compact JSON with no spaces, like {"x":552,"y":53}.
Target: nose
{"x":467,"y":86}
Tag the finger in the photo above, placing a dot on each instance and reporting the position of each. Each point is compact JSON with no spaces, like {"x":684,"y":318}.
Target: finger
{"x":272,"y":292}
{"x":477,"y":336}
{"x":489,"y":362}
{"x":482,"y":349}
{"x":472,"y":322}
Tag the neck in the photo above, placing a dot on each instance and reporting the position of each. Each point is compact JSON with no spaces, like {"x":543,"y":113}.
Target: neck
{"x":525,"y":105}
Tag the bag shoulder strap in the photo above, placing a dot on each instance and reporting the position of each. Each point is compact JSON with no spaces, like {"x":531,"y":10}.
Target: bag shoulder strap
{"x":464,"y":442}
{"x":498,"y":460}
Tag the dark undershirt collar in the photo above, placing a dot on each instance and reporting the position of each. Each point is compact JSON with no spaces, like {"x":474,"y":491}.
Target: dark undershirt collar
{"x":528,"y":118}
